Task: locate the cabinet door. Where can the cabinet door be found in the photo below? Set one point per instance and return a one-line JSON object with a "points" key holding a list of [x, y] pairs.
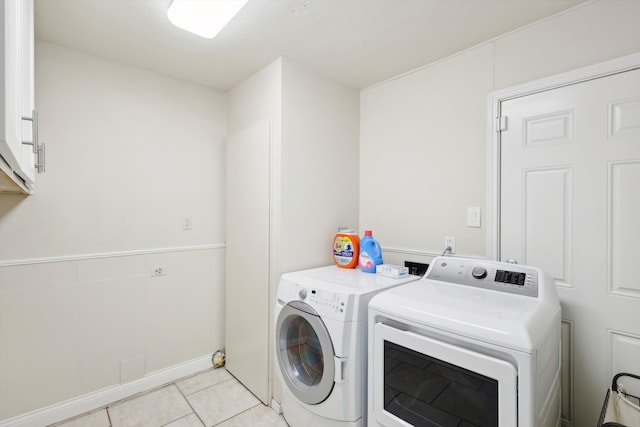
{"points": [[27, 88], [11, 147], [18, 88]]}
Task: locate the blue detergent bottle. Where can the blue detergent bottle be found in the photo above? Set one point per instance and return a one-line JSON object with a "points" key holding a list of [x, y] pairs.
{"points": [[370, 253]]}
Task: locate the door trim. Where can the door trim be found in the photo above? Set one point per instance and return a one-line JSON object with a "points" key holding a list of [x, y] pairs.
{"points": [[495, 99]]}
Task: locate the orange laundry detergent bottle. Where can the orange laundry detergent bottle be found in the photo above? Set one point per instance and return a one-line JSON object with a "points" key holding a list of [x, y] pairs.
{"points": [[346, 248]]}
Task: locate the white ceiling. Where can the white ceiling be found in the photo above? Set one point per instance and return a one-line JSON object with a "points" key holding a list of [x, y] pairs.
{"points": [[356, 42]]}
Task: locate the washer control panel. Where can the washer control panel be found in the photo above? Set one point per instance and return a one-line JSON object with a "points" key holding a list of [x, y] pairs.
{"points": [[497, 276], [323, 301]]}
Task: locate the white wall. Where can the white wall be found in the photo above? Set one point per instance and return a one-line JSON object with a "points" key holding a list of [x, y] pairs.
{"points": [[423, 146], [320, 135], [129, 154], [422, 155], [596, 32], [257, 99]]}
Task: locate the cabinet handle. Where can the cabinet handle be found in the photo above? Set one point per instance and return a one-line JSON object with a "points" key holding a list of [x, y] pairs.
{"points": [[40, 159], [38, 149]]}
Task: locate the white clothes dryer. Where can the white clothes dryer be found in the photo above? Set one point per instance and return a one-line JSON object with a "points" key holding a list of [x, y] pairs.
{"points": [[321, 341], [473, 343]]}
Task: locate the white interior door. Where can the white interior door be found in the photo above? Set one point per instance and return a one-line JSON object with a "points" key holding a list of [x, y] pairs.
{"points": [[570, 204], [247, 304]]}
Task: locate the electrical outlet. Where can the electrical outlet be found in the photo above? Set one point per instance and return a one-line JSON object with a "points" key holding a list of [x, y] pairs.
{"points": [[450, 242], [159, 271]]}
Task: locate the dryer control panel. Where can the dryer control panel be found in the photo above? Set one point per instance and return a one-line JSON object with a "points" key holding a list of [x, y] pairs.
{"points": [[497, 276]]}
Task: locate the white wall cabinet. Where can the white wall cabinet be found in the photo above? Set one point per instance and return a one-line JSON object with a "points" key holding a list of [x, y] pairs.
{"points": [[21, 154]]}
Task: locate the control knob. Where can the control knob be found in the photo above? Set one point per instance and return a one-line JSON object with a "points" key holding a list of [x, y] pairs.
{"points": [[302, 293], [479, 272]]}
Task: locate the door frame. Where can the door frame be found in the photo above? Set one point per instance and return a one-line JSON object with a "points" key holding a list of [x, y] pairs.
{"points": [[495, 99]]}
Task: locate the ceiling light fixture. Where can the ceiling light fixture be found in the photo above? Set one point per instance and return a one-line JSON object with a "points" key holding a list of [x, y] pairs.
{"points": [[203, 17]]}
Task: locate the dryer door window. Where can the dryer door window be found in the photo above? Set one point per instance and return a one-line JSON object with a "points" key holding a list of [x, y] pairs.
{"points": [[305, 353]]}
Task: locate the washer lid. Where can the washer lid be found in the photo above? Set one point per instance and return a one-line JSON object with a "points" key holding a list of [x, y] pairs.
{"points": [[503, 319]]}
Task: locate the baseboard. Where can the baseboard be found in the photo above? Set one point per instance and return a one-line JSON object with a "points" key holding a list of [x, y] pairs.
{"points": [[101, 398]]}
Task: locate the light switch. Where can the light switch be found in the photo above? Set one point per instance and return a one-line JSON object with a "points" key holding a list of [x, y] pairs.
{"points": [[473, 217], [187, 223]]}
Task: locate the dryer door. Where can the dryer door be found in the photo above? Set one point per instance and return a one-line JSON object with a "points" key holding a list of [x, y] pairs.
{"points": [[305, 353]]}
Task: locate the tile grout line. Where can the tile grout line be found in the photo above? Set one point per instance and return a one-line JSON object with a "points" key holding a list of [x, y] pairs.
{"points": [[214, 385], [175, 384], [239, 413], [181, 418], [84, 414], [202, 389], [189, 403]]}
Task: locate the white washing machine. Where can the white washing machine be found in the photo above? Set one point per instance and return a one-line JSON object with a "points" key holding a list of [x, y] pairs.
{"points": [[321, 341], [473, 343]]}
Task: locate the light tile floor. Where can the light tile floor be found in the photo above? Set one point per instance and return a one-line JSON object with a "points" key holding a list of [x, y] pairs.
{"points": [[210, 398]]}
